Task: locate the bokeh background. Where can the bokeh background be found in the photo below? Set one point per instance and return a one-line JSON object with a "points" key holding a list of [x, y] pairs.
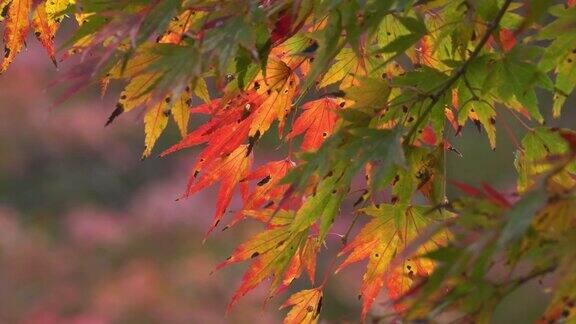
{"points": [[89, 233]]}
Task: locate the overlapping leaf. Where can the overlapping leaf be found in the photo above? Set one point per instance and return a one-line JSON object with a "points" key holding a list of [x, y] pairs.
{"points": [[229, 170], [272, 251], [306, 306], [387, 234]]}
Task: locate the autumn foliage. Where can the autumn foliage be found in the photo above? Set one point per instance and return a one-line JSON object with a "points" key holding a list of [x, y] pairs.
{"points": [[359, 94]]}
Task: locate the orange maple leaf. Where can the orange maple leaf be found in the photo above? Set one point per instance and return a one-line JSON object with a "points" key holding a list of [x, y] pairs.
{"points": [[317, 122], [267, 189], [272, 251], [387, 234], [277, 88], [15, 31], [306, 307], [228, 170]]}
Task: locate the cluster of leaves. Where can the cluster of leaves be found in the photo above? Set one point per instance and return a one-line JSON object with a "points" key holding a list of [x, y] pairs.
{"points": [[374, 88]]}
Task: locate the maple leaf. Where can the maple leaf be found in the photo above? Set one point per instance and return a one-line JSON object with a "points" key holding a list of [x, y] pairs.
{"points": [[278, 87], [272, 251], [306, 307], [181, 112], [390, 230], [155, 121], [45, 22], [267, 189], [270, 216], [304, 259], [229, 170], [424, 55], [292, 52], [225, 132], [317, 121], [345, 70], [15, 31], [482, 113], [179, 25], [134, 95]]}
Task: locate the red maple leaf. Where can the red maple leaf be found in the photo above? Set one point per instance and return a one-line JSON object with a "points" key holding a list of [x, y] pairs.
{"points": [[316, 122]]}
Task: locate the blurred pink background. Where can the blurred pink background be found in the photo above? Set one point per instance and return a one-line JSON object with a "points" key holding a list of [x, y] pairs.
{"points": [[91, 234]]}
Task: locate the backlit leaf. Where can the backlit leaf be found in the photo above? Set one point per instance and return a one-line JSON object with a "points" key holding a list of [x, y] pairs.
{"points": [[15, 31], [316, 122], [306, 305], [389, 232]]}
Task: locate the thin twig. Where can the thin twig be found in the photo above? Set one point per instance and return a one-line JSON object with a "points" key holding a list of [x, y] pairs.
{"points": [[462, 70]]}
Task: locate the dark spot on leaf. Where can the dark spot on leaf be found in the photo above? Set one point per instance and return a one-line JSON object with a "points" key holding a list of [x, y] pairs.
{"points": [[269, 204], [196, 172], [4, 11], [264, 181], [312, 48], [478, 126], [255, 254]]}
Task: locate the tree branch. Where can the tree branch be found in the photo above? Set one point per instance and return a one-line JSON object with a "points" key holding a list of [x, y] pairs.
{"points": [[462, 70]]}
